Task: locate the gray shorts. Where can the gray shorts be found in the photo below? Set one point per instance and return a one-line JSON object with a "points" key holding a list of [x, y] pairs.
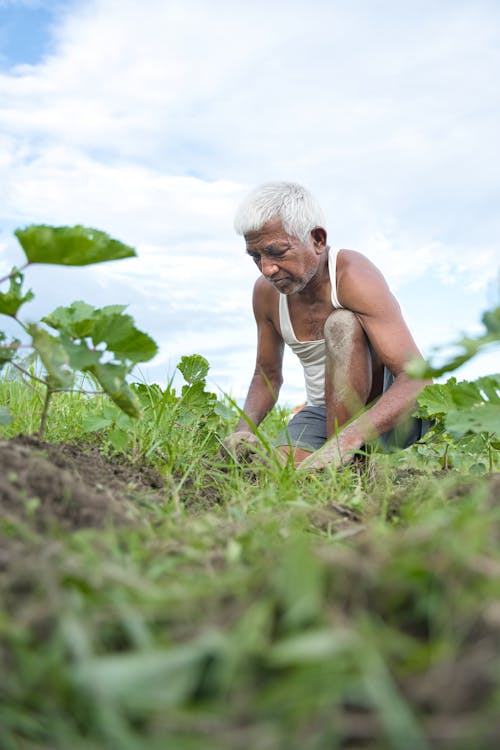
{"points": [[307, 429]]}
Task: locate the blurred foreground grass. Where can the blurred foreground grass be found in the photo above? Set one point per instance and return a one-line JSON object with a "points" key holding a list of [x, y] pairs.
{"points": [[249, 608]]}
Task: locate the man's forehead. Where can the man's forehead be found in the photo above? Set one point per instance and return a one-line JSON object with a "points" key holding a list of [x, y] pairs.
{"points": [[271, 231]]}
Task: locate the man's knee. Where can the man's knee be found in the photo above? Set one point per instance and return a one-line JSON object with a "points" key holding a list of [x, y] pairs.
{"points": [[342, 327]]}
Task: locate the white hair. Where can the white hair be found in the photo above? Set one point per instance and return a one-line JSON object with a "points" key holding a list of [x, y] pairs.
{"points": [[295, 206]]}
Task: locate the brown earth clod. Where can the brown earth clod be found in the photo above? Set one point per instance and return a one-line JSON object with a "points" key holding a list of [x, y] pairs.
{"points": [[70, 484]]}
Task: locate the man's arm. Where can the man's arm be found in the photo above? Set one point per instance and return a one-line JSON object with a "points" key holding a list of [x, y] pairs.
{"points": [[362, 289], [267, 378]]}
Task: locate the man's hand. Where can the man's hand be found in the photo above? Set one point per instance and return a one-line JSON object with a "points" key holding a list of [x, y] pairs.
{"points": [[329, 454], [242, 445]]}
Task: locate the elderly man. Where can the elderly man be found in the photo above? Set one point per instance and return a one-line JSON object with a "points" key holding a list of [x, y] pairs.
{"points": [[335, 310]]}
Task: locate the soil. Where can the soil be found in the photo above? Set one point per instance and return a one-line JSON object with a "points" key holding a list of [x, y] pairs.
{"points": [[76, 487], [72, 485]]}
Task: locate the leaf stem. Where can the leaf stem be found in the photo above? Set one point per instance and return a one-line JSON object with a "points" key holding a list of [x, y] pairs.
{"points": [[28, 374], [20, 322], [445, 458], [43, 420], [13, 272]]}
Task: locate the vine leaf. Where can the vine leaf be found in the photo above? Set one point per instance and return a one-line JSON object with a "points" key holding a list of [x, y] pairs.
{"points": [[76, 320], [194, 368], [466, 348], [83, 330], [107, 325], [81, 356], [121, 337], [477, 419], [54, 356], [7, 351], [102, 342], [491, 321], [112, 380], [13, 299], [463, 407], [70, 246]]}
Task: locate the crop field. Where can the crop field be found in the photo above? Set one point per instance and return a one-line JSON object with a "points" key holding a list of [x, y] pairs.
{"points": [[156, 594]]}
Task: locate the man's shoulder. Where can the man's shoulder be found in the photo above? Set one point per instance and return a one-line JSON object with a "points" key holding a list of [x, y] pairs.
{"points": [[351, 259], [353, 265], [357, 275], [265, 298], [264, 291]]}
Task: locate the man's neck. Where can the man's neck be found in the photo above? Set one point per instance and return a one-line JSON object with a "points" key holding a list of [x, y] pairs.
{"points": [[313, 291]]}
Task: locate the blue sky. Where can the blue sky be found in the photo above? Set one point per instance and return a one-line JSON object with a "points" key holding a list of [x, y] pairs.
{"points": [[150, 119], [24, 32]]}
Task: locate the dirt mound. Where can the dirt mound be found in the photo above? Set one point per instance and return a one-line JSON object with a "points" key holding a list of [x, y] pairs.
{"points": [[70, 484]]}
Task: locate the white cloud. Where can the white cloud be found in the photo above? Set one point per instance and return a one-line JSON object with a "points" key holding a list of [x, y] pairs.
{"points": [[402, 261]]}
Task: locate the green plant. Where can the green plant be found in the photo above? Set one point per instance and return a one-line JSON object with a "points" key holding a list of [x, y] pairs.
{"points": [[173, 422], [245, 606], [465, 415], [101, 342], [465, 349], [466, 419]]}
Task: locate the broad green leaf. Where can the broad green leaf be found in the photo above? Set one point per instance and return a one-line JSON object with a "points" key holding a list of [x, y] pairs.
{"points": [[152, 396], [81, 356], [465, 394], [123, 421], [491, 320], [54, 357], [467, 348], [483, 417], [435, 399], [118, 438], [5, 415], [438, 399], [194, 368], [111, 309], [224, 411], [77, 320], [422, 370], [490, 386], [96, 422], [112, 379], [196, 397], [7, 350], [6, 356], [11, 301], [122, 338], [107, 325], [70, 246]]}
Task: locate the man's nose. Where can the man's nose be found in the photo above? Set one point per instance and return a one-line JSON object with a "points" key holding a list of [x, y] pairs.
{"points": [[269, 267]]}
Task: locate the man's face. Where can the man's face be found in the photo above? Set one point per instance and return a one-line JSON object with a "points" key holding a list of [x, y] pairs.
{"points": [[287, 262]]}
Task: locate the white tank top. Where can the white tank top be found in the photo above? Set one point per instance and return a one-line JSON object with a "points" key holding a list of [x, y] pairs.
{"points": [[311, 353]]}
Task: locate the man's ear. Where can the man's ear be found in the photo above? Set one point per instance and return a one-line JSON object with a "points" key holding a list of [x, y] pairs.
{"points": [[318, 235]]}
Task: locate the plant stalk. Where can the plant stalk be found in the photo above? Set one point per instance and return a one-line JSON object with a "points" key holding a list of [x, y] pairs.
{"points": [[43, 420], [13, 272]]}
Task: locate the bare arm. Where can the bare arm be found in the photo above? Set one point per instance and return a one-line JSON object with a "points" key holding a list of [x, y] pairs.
{"points": [[362, 289], [267, 378]]}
